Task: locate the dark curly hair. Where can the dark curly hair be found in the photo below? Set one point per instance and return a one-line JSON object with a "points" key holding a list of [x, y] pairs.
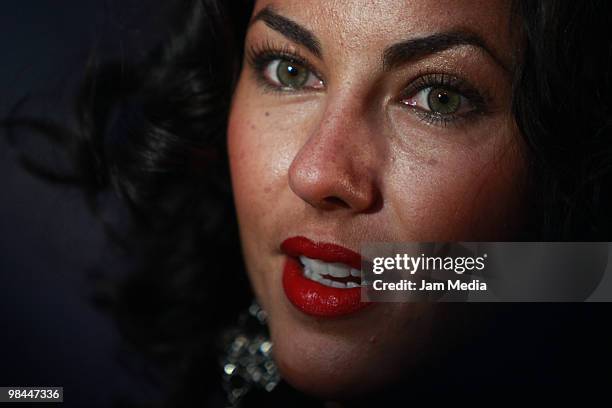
{"points": [[154, 132]]}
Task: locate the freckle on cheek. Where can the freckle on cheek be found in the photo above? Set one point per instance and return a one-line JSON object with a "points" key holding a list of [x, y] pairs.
{"points": [[432, 162], [267, 113]]}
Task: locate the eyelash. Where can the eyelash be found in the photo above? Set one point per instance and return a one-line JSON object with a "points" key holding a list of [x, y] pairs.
{"points": [[260, 57], [475, 99]]}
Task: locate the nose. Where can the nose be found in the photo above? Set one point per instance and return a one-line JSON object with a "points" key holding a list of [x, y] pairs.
{"points": [[335, 169]]}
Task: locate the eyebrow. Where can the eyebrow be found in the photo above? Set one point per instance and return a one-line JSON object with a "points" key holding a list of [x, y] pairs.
{"points": [[395, 55], [414, 49], [289, 29]]}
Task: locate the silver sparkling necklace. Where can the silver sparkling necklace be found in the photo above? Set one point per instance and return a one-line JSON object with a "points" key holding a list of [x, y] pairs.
{"points": [[247, 361]]}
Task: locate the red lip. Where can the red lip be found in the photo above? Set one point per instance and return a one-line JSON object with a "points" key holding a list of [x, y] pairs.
{"points": [[312, 297]]}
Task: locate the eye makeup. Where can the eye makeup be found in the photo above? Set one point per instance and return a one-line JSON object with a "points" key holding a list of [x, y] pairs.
{"points": [[451, 90], [472, 103], [260, 57]]}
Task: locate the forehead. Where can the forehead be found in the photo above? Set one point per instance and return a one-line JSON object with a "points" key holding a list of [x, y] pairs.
{"points": [[369, 25]]}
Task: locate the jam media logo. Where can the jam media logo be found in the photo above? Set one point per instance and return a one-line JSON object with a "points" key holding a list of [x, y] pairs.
{"points": [[422, 271], [486, 271], [427, 268]]}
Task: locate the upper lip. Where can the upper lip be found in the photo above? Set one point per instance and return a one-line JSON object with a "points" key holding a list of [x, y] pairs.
{"points": [[324, 251]]}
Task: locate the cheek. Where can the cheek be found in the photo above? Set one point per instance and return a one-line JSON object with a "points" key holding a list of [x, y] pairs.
{"points": [[262, 143], [459, 194], [248, 156], [249, 186]]}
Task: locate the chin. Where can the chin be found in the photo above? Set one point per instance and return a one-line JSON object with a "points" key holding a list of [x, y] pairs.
{"points": [[344, 359], [326, 367]]}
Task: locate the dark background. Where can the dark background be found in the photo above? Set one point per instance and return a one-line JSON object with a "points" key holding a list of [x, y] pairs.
{"points": [[50, 245]]}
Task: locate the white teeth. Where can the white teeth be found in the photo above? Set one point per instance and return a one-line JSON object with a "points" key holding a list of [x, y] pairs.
{"points": [[317, 266], [314, 269], [338, 270], [305, 261]]}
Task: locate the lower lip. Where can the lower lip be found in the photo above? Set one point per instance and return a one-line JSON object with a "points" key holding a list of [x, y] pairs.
{"points": [[316, 299]]}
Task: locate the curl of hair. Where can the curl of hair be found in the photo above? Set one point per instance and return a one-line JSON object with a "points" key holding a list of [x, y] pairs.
{"points": [[563, 110]]}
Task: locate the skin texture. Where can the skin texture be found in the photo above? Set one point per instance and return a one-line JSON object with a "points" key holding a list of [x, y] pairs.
{"points": [[347, 162]]}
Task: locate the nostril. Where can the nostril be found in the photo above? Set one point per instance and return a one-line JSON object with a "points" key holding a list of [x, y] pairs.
{"points": [[337, 202]]}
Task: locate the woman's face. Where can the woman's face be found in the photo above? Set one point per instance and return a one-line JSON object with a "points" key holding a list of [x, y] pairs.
{"points": [[367, 120]]}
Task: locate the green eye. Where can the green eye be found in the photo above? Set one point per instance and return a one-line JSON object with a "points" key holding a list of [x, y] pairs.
{"points": [[288, 75], [439, 100], [291, 74], [443, 101]]}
